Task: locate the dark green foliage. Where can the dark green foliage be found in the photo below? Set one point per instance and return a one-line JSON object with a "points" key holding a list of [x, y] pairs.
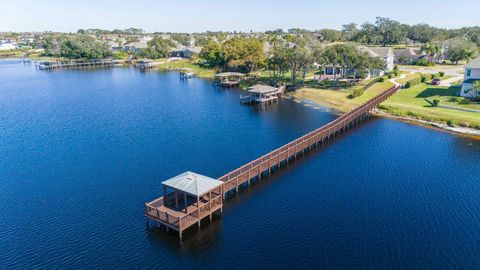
{"points": [[423, 62], [436, 102], [441, 73], [423, 78], [183, 39], [244, 54], [76, 47], [157, 48]]}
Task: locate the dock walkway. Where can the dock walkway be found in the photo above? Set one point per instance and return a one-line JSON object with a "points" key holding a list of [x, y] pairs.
{"points": [[173, 217]]}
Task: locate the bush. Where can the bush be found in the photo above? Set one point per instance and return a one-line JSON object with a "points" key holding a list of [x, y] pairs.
{"points": [[432, 76], [441, 73], [423, 62], [395, 67], [450, 123], [413, 82], [390, 75], [381, 79], [423, 79], [357, 92], [436, 102]]}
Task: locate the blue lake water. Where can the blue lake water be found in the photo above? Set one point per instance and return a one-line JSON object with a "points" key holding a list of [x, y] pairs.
{"points": [[82, 151]]}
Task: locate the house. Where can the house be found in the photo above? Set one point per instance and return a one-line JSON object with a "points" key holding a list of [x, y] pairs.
{"points": [[6, 45], [135, 46], [472, 75], [385, 53], [184, 52], [407, 55]]}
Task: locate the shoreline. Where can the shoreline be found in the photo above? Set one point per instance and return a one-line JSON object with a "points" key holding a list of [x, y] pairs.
{"points": [[475, 133]]}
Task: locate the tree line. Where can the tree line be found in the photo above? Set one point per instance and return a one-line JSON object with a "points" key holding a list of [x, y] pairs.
{"points": [[292, 55]]}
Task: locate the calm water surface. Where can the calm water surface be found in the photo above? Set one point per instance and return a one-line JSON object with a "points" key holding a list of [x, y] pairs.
{"points": [[82, 151]]}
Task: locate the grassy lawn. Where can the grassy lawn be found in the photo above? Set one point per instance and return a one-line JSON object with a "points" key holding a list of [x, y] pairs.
{"points": [[340, 100], [199, 71], [411, 102]]}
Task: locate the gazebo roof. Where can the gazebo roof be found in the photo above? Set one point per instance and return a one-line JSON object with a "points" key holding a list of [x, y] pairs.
{"points": [[192, 183], [258, 88], [229, 74]]}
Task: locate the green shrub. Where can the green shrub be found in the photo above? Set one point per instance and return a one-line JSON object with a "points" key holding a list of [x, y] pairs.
{"points": [[423, 62], [381, 79], [423, 78], [413, 82], [441, 73], [436, 102], [450, 123], [432, 76], [357, 92], [395, 67], [390, 75]]}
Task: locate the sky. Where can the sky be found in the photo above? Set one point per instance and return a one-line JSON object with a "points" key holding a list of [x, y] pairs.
{"points": [[227, 15]]}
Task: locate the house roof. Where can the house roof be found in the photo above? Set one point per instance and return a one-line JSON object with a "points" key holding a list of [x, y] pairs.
{"points": [[376, 51], [192, 183], [409, 53], [258, 88], [475, 63]]}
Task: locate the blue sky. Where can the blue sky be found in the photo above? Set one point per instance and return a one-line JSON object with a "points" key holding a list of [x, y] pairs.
{"points": [[246, 15]]}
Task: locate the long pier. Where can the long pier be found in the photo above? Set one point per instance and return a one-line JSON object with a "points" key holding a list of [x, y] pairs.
{"points": [[53, 65], [183, 208]]}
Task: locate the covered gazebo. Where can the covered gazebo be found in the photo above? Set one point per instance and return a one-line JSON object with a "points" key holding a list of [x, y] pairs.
{"points": [[187, 199]]}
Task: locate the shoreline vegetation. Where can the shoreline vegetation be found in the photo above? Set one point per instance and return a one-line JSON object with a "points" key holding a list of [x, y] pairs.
{"points": [[335, 69], [409, 105]]}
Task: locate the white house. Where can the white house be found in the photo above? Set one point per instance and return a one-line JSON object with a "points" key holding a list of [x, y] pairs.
{"points": [[385, 53], [472, 75], [6, 44]]}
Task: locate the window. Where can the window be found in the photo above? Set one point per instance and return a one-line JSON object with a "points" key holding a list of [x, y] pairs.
{"points": [[469, 72]]}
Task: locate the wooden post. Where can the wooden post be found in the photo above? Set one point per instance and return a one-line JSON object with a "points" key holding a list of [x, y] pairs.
{"points": [[176, 199], [185, 202], [164, 195], [210, 204]]}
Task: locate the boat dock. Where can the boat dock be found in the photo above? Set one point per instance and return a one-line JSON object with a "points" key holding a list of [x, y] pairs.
{"points": [[189, 197], [52, 65], [187, 73], [261, 94], [144, 65], [229, 79]]}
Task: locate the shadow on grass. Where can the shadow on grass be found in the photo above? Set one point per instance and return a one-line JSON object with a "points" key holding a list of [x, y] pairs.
{"points": [[434, 91]]}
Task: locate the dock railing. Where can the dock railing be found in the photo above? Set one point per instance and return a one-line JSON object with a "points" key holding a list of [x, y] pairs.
{"points": [[254, 168]]}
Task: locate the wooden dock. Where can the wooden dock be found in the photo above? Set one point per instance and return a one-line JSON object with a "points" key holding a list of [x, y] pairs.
{"points": [[54, 65], [231, 182]]}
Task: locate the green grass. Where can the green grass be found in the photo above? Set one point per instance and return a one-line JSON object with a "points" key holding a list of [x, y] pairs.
{"points": [[199, 71], [411, 102], [340, 100]]}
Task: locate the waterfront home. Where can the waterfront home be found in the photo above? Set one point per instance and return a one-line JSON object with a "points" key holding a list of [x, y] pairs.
{"points": [[6, 45], [185, 52], [261, 94], [135, 46], [471, 76]]}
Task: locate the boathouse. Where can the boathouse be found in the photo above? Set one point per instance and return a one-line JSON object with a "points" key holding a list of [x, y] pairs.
{"points": [[229, 79], [187, 199], [262, 94]]}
